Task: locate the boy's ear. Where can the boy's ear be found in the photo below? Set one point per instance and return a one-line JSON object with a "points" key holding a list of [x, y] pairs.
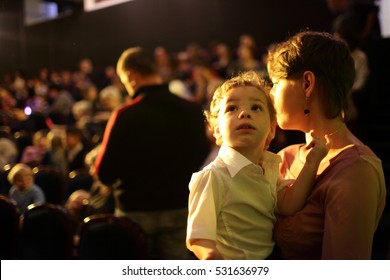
{"points": [[217, 133], [271, 135]]}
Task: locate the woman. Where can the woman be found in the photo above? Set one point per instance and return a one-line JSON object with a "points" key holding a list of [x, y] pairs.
{"points": [[312, 74]]}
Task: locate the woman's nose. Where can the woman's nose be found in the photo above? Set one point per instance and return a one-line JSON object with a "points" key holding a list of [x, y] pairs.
{"points": [[244, 114]]}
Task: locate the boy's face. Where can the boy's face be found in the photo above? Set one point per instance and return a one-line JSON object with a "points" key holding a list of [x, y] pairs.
{"points": [[23, 180], [244, 119]]}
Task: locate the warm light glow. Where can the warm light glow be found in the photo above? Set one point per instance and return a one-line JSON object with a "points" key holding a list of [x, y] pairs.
{"points": [[27, 110], [90, 5], [384, 17]]}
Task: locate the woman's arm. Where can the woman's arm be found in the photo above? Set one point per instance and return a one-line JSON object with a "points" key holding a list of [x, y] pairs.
{"points": [[352, 209]]}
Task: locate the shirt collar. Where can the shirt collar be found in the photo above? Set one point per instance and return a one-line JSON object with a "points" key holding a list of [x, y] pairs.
{"points": [[233, 159]]}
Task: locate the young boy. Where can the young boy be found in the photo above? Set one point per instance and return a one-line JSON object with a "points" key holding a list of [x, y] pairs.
{"points": [[233, 199], [24, 191]]}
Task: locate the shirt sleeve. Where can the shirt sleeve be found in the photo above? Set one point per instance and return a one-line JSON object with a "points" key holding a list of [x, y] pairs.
{"points": [[204, 205]]}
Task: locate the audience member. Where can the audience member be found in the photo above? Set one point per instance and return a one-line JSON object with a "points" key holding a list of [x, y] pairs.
{"points": [[344, 28], [56, 151], [181, 89], [76, 150], [312, 73], [150, 148], [98, 200], [248, 41], [10, 115], [110, 99], [8, 151], [82, 113], [36, 154], [76, 205], [363, 14], [69, 84], [91, 94], [206, 82], [24, 190], [232, 200], [88, 74], [222, 59], [164, 64], [60, 105], [245, 61]]}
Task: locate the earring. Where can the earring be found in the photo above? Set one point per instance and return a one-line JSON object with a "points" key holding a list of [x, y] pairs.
{"points": [[307, 110]]}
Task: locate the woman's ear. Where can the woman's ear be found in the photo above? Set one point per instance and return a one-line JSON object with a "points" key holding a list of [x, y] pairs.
{"points": [[308, 80]]}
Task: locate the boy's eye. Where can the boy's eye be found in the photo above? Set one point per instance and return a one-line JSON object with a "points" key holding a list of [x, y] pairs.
{"points": [[231, 108], [257, 108]]}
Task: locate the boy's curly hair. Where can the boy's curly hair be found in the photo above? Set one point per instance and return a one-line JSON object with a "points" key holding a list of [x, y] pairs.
{"points": [[248, 78]]}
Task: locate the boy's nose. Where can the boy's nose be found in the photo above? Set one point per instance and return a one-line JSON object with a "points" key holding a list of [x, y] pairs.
{"points": [[244, 115]]}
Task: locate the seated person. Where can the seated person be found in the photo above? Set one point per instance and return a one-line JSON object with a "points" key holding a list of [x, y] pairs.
{"points": [[35, 154], [24, 190], [98, 200]]}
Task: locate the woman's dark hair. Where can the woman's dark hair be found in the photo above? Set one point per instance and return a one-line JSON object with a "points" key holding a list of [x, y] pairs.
{"points": [[327, 57]]}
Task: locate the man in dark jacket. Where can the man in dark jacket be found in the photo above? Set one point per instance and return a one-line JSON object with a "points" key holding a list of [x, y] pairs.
{"points": [[150, 149]]}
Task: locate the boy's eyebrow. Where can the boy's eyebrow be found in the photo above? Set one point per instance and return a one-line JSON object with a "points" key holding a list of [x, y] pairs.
{"points": [[252, 99], [230, 100]]}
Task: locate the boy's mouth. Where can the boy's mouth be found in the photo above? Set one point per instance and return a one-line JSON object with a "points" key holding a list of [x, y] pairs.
{"points": [[245, 126]]}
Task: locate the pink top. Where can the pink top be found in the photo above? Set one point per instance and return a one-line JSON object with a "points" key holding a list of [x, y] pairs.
{"points": [[342, 212]]}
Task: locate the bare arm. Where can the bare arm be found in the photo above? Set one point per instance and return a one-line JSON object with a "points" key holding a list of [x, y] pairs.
{"points": [[205, 249], [292, 198]]}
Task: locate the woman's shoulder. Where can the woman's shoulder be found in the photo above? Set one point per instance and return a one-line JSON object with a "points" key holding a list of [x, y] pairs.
{"points": [[360, 157], [357, 162], [357, 152], [291, 150]]}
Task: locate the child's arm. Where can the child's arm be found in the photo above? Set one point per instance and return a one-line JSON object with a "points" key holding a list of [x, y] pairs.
{"points": [[205, 249], [292, 198], [203, 207]]}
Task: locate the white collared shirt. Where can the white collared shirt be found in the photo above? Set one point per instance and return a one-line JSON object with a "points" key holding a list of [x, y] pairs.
{"points": [[232, 202]]}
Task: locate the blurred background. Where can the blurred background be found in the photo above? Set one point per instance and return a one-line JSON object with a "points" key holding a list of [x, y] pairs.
{"points": [[44, 43], [58, 34]]}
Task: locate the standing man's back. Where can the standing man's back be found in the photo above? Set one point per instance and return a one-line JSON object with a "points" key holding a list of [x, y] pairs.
{"points": [[150, 149]]}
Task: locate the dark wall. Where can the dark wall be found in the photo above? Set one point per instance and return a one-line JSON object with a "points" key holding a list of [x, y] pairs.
{"points": [[11, 35], [103, 34]]}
